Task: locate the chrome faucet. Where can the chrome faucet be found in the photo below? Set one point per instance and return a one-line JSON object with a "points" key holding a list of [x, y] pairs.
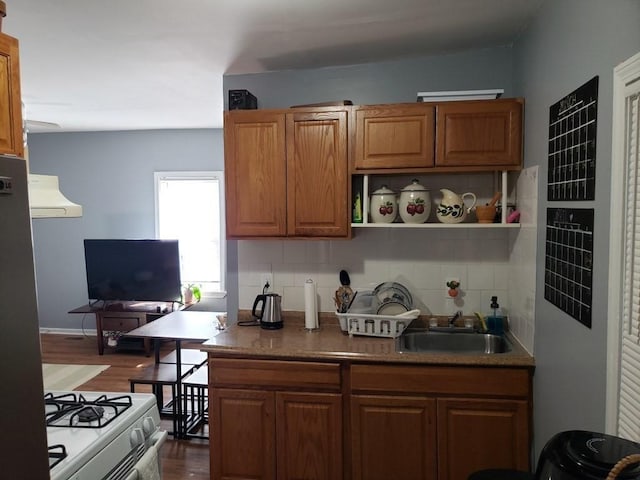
{"points": [[456, 316]]}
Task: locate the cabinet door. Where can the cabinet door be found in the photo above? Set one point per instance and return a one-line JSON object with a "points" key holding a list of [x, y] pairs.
{"points": [[317, 174], [480, 434], [309, 436], [255, 174], [393, 137], [393, 437], [480, 133], [11, 138], [242, 426]]}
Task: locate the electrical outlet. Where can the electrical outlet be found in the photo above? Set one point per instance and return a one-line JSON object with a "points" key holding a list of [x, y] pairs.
{"points": [[447, 280], [265, 278]]}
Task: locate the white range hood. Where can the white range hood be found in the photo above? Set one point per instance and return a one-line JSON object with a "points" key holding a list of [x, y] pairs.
{"points": [[46, 200]]}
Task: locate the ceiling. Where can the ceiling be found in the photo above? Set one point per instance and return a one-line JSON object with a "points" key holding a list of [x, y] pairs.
{"points": [[91, 65]]}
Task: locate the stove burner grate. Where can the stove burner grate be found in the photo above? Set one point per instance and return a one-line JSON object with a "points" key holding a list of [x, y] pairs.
{"points": [[74, 410], [90, 413], [57, 453]]}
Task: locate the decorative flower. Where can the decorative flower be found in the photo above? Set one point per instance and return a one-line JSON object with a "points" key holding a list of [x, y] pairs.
{"points": [[453, 288]]}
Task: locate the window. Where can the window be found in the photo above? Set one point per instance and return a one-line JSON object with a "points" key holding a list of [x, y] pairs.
{"points": [[623, 368], [189, 207]]}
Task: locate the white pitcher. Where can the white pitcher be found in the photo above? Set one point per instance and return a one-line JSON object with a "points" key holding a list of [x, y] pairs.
{"points": [[452, 208]]}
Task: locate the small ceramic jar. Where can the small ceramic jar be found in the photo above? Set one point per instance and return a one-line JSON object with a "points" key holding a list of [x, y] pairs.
{"points": [[415, 203], [383, 205]]}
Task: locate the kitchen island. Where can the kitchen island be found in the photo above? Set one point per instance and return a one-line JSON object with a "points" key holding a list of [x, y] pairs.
{"points": [[291, 403]]}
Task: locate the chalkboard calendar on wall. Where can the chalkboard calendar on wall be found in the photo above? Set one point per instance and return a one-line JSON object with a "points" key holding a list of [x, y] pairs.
{"points": [[572, 145], [568, 277]]}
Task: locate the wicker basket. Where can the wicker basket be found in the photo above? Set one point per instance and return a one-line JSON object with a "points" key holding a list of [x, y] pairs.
{"points": [[622, 464]]}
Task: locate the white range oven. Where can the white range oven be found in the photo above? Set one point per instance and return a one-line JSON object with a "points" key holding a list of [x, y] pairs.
{"points": [[103, 436]]}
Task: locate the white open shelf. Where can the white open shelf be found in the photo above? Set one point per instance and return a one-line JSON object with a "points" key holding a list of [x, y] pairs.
{"points": [[367, 224]]}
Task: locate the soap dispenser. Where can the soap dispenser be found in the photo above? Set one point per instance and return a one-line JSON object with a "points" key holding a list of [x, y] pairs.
{"points": [[495, 320]]}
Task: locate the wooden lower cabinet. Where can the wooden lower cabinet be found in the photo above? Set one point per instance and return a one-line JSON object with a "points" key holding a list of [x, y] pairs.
{"points": [[268, 435], [393, 437], [308, 436], [242, 434], [283, 419], [477, 434], [273, 419], [462, 419]]}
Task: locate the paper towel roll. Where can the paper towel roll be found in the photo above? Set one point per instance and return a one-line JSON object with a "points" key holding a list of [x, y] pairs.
{"points": [[310, 305]]}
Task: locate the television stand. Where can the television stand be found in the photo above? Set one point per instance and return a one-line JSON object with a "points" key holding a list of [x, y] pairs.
{"points": [[122, 317]]}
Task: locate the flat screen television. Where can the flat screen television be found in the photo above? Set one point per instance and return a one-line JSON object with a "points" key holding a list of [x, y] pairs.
{"points": [[133, 270]]}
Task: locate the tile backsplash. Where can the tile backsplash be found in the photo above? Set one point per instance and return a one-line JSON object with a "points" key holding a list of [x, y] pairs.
{"points": [[486, 261]]}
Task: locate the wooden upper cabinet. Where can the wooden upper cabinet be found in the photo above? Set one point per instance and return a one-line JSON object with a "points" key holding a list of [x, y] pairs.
{"points": [[479, 134], [255, 174], [394, 137], [11, 135], [287, 173], [317, 174]]}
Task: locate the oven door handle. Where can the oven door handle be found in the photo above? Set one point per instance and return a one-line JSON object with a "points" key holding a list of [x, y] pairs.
{"points": [[132, 476], [158, 439]]}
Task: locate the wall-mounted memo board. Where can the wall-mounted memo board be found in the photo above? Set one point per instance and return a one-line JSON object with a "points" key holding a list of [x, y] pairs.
{"points": [[568, 276], [572, 145]]}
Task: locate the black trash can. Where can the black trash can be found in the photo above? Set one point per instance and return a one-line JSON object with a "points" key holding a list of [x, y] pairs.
{"points": [[583, 455], [574, 455]]}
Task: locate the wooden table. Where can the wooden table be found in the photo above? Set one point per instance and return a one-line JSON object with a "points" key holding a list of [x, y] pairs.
{"points": [[123, 317], [178, 326]]}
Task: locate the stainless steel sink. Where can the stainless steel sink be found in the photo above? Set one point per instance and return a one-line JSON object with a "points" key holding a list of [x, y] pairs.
{"points": [[459, 343]]}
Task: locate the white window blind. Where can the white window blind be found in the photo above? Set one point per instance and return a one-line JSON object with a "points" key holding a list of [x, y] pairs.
{"points": [[629, 396]]}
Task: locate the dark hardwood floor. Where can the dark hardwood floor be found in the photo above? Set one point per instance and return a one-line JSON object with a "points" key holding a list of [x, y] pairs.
{"points": [[181, 459]]}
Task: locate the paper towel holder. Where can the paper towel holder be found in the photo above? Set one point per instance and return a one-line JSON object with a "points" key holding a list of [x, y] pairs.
{"points": [[310, 306]]}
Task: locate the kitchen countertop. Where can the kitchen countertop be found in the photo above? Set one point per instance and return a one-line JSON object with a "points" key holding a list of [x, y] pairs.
{"points": [[329, 342]]}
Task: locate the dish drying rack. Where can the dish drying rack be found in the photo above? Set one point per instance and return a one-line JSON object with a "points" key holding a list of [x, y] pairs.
{"points": [[390, 326]]}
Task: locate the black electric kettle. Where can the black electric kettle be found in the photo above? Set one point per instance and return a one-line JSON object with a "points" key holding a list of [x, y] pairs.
{"points": [[270, 314]]}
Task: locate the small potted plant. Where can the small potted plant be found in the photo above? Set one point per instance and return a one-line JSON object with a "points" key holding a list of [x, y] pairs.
{"points": [[192, 293], [453, 288]]}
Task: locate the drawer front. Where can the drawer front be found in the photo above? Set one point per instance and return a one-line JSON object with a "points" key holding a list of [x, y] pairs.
{"points": [[273, 373], [504, 382], [123, 324]]}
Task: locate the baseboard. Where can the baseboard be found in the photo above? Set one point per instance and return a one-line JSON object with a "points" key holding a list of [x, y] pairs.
{"points": [[69, 331]]}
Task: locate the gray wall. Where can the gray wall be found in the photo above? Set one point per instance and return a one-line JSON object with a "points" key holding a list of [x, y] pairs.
{"points": [[111, 175], [384, 82], [569, 43]]}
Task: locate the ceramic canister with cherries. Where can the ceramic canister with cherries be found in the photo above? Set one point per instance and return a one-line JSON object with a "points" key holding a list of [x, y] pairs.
{"points": [[414, 205]]}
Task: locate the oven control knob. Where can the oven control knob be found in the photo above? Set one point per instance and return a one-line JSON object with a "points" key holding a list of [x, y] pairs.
{"points": [[136, 437], [148, 426]]}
